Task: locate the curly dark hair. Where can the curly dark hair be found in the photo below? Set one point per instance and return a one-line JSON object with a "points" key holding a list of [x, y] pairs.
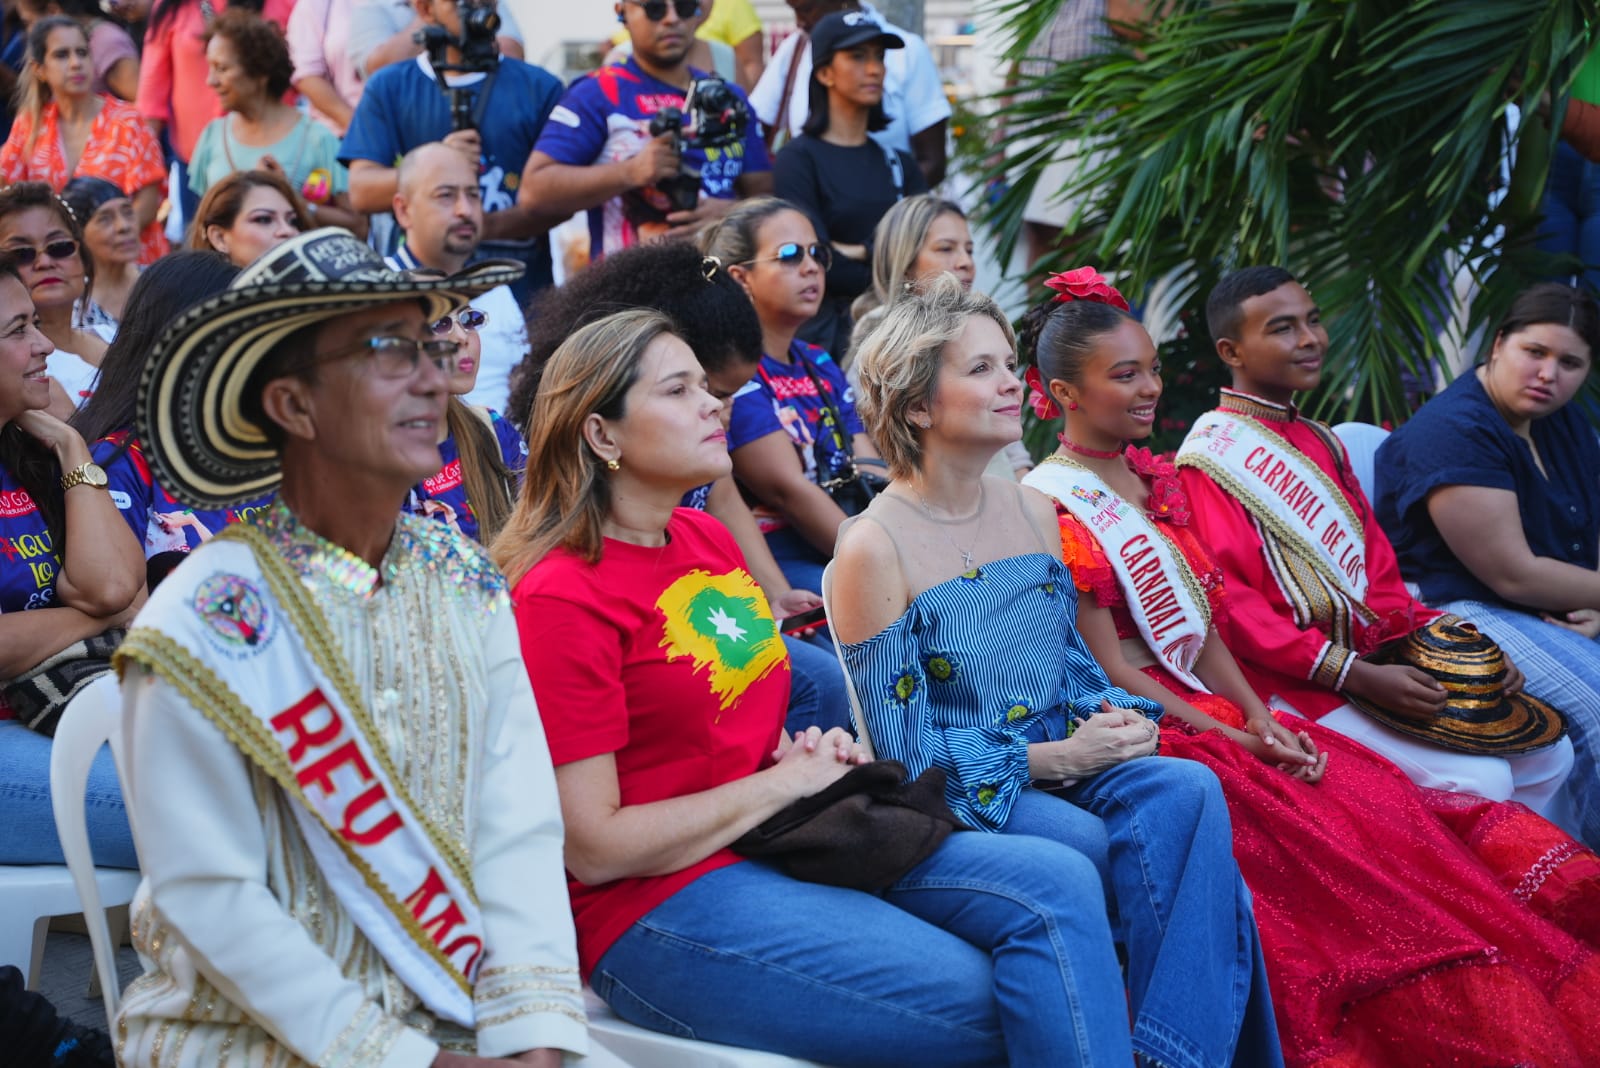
{"points": [[712, 314], [259, 46]]}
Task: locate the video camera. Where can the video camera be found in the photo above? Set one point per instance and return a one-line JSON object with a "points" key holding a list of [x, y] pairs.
{"points": [[716, 116], [480, 54]]}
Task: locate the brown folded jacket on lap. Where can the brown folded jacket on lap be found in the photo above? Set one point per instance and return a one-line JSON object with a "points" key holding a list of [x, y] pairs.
{"points": [[863, 832]]}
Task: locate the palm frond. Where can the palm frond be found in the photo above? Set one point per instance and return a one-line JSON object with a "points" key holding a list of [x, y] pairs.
{"points": [[1361, 143]]}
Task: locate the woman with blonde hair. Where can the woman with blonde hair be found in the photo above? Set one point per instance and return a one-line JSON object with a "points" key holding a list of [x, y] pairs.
{"points": [[661, 682], [482, 451], [960, 631], [919, 239]]}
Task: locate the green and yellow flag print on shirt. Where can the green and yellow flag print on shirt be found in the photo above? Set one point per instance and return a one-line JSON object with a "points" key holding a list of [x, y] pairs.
{"points": [[722, 623]]}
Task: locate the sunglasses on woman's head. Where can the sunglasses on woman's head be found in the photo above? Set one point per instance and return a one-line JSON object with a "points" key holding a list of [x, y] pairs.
{"points": [[469, 319], [793, 254], [656, 10], [23, 255]]}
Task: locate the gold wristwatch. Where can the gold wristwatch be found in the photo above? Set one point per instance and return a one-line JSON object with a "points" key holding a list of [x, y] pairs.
{"points": [[90, 473]]}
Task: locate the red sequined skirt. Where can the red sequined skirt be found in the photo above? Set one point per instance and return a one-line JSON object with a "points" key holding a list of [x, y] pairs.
{"points": [[1404, 926]]}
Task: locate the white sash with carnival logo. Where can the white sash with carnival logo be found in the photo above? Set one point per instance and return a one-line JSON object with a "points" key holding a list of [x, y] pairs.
{"points": [[1164, 597], [1290, 496], [237, 620]]}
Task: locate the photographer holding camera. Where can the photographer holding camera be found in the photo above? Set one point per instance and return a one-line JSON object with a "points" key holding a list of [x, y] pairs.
{"points": [[489, 107], [651, 147]]}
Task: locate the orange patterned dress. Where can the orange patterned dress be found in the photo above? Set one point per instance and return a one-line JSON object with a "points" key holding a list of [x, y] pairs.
{"points": [[1401, 926], [120, 149]]}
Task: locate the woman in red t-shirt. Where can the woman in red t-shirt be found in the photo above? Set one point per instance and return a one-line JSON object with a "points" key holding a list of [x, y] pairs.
{"points": [[662, 682]]}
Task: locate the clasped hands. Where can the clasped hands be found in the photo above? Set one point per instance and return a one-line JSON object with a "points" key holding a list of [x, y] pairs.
{"points": [[814, 760], [1108, 738]]}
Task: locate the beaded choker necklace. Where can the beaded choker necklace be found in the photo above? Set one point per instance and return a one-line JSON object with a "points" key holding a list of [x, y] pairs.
{"points": [[1084, 450]]}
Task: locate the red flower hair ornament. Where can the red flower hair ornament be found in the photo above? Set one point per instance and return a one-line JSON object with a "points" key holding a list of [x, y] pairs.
{"points": [[1044, 405], [1082, 283], [1085, 283]]}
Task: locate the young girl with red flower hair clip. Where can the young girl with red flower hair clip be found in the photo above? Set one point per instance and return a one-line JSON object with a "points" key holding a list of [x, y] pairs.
{"points": [[1394, 919]]}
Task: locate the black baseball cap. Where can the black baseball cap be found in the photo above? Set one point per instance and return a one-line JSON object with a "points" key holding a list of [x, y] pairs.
{"points": [[846, 29]]}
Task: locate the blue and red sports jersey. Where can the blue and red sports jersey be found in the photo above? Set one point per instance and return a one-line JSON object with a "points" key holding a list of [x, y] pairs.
{"points": [[444, 496], [605, 118], [160, 521]]}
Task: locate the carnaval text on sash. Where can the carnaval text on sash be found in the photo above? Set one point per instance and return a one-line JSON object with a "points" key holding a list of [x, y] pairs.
{"points": [[1164, 597], [1292, 497]]}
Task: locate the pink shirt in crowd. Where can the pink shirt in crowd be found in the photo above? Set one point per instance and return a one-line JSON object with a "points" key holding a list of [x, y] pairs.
{"points": [[319, 31]]}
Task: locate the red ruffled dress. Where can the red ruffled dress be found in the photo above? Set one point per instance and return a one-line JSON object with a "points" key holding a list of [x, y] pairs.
{"points": [[1401, 926]]}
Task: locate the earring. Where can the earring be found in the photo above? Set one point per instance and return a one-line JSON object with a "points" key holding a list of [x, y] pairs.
{"points": [[1072, 406], [613, 464]]}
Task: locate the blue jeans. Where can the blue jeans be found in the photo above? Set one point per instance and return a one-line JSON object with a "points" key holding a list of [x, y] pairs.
{"points": [[1196, 978], [995, 950], [1562, 669], [1571, 209], [27, 823], [800, 563], [817, 695]]}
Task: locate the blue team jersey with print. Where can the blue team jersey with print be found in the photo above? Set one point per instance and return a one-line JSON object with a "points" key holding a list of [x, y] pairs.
{"points": [[444, 496], [161, 522], [605, 118], [783, 396], [29, 558]]}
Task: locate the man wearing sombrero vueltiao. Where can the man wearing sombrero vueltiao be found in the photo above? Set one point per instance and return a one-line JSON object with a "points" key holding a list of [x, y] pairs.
{"points": [[346, 815], [1316, 607]]}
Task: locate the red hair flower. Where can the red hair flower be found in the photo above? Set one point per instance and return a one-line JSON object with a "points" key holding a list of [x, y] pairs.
{"points": [[1085, 283], [1044, 405]]}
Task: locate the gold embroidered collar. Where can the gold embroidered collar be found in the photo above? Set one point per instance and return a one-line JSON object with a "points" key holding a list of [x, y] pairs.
{"points": [[1257, 407]]}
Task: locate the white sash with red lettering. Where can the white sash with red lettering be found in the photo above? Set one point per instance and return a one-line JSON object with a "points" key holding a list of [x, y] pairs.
{"points": [[1289, 495], [254, 627], [1164, 596]]}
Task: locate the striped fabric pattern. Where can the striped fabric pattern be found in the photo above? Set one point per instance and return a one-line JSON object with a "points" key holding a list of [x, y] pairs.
{"points": [[957, 680]]}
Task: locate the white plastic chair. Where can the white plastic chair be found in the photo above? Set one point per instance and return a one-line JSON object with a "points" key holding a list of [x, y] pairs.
{"points": [[649, 1049], [1361, 441], [856, 715], [90, 720]]}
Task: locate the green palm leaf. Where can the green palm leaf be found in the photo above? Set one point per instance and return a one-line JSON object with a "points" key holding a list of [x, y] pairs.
{"points": [[1360, 143]]}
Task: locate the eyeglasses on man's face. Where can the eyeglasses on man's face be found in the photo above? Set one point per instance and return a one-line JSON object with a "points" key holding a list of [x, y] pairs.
{"points": [[397, 357]]}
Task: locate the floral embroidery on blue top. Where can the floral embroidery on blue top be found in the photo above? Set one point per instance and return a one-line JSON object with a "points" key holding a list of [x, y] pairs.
{"points": [[1047, 588], [984, 794], [975, 575], [974, 722], [904, 687], [1019, 708], [942, 666]]}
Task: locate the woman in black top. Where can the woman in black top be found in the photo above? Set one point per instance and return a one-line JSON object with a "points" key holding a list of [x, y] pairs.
{"points": [[835, 172]]}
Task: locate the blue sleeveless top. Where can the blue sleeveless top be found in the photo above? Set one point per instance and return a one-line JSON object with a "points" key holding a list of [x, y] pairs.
{"points": [[957, 680]]}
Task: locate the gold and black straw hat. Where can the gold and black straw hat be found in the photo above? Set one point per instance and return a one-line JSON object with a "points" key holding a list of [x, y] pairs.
{"points": [[190, 419], [1480, 717]]}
